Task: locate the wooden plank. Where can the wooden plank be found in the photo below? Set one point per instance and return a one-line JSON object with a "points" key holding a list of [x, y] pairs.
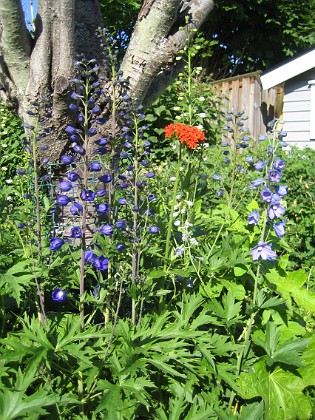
{"points": [[255, 110], [278, 102]]}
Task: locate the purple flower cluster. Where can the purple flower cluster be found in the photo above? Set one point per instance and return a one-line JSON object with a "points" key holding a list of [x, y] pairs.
{"points": [[88, 178], [271, 194]]}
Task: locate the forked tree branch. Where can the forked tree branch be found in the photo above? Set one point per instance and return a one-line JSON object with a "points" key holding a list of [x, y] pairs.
{"points": [[149, 63]]}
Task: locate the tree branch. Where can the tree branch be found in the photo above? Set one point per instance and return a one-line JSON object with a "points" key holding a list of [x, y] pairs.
{"points": [[148, 63]]}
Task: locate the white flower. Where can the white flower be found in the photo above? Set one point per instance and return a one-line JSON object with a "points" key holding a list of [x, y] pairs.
{"points": [[184, 237], [4, 168], [179, 251], [183, 211], [178, 197], [202, 115], [194, 241], [9, 181], [189, 203], [173, 178], [201, 98], [175, 214], [9, 198], [187, 224], [177, 223], [176, 108], [4, 145]]}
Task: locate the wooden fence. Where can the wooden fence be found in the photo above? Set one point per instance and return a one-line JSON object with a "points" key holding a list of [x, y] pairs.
{"points": [[245, 93]]}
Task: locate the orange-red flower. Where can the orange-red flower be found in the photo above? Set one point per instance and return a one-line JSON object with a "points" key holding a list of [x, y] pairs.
{"points": [[187, 134]]}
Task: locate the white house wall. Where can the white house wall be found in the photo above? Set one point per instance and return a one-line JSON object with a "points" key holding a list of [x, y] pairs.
{"points": [[297, 110]]}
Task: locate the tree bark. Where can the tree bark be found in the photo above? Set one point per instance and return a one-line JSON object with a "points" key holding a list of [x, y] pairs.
{"points": [[160, 33], [43, 66]]}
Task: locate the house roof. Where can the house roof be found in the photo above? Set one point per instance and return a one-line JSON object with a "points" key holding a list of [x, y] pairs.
{"points": [[288, 69]]}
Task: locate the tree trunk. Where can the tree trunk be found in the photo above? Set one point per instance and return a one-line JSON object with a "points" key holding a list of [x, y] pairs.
{"points": [[42, 67]]}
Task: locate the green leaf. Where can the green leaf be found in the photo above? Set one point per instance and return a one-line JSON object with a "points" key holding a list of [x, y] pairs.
{"points": [[292, 285], [281, 390], [240, 270]]}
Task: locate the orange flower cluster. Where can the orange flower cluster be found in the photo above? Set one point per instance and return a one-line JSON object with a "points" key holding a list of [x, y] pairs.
{"points": [[187, 134]]}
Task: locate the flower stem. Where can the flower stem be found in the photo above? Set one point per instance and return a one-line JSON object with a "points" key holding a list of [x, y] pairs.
{"points": [[170, 223], [39, 285]]}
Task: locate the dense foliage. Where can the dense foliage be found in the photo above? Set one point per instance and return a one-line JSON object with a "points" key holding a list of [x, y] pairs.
{"points": [[138, 283], [241, 36]]}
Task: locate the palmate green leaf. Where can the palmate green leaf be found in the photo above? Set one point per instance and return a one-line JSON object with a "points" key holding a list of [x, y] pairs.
{"points": [[176, 407], [308, 358], [136, 387], [198, 412], [160, 363], [189, 306], [15, 404], [281, 390], [10, 286], [288, 352], [292, 285], [253, 411], [33, 332], [114, 404]]}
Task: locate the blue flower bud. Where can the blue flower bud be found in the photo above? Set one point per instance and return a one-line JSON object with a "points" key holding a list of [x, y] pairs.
{"points": [[66, 159], [154, 229], [62, 200], [55, 244], [73, 107], [105, 178], [102, 141], [102, 208], [74, 137], [106, 230], [150, 174], [95, 166], [76, 209], [65, 186], [121, 224], [101, 193], [92, 131], [70, 130], [79, 149], [72, 176]]}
